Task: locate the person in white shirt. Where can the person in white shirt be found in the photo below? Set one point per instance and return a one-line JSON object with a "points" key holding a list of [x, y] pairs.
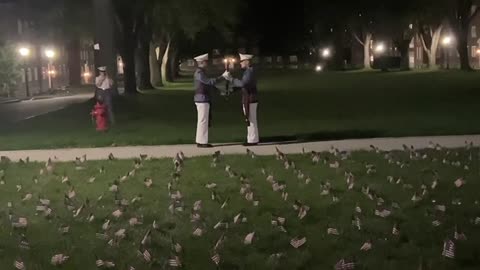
{"points": [[104, 91]]}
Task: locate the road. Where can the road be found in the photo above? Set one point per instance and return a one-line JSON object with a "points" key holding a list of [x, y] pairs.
{"points": [[15, 112]]}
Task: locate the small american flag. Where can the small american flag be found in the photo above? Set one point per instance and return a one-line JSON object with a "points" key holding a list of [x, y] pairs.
{"points": [[198, 232], [395, 230], [366, 246], [24, 243], [436, 223], [177, 247], [216, 259], [448, 249], [343, 265], [296, 242], [477, 221], [332, 231], [175, 262], [147, 256], [356, 222], [19, 265]]}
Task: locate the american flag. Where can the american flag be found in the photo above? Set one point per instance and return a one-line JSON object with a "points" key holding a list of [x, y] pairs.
{"points": [[366, 246], [395, 230], [175, 262], [24, 243], [343, 265], [436, 223], [332, 231], [448, 249], [477, 221], [356, 222], [216, 259], [296, 242], [19, 265], [198, 232], [177, 247], [146, 255]]}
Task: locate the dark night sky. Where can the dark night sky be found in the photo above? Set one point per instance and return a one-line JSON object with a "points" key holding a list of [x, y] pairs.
{"points": [[277, 27]]}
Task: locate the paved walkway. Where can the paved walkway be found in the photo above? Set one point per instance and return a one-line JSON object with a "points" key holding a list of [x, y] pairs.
{"points": [[191, 150]]}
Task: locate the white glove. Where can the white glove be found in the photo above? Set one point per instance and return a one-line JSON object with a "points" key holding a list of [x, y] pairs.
{"points": [[227, 76]]}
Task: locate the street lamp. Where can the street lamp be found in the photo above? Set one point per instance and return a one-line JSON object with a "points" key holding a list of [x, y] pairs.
{"points": [[446, 41], [326, 53], [49, 53], [380, 48], [318, 68], [24, 53]]}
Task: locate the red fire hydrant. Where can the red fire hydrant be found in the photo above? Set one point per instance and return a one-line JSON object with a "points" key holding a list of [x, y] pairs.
{"points": [[99, 112]]}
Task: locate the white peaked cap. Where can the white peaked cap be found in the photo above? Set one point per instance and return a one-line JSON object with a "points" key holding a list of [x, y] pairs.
{"points": [[245, 56], [203, 57], [102, 68]]}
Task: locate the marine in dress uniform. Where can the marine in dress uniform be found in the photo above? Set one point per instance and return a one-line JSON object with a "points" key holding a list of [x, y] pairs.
{"points": [[203, 89], [248, 85]]}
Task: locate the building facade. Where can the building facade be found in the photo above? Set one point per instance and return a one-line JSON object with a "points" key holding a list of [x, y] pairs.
{"points": [[19, 28]]}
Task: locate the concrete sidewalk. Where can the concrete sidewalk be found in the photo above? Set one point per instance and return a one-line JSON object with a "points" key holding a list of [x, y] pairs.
{"points": [[191, 150]]}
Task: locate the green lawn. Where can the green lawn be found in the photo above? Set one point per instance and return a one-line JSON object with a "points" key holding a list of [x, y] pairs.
{"points": [[419, 242], [295, 105]]}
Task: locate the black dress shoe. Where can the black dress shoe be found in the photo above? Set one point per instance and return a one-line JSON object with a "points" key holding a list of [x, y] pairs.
{"points": [[249, 144], [204, 145]]}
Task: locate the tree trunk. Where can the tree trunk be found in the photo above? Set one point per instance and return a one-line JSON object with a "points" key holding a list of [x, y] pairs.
{"points": [[366, 51], [105, 37], [404, 54], [161, 53], [173, 64], [434, 47], [164, 64], [462, 47], [143, 55], [432, 51], [74, 62], [128, 58], [143, 73], [155, 77], [339, 58]]}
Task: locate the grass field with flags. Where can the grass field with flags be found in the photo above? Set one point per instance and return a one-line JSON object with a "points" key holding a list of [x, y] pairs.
{"points": [[411, 209]]}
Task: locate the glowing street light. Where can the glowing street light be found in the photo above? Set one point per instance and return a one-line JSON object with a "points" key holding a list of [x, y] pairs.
{"points": [[24, 53], [446, 41], [380, 48], [318, 68], [49, 53], [326, 53]]}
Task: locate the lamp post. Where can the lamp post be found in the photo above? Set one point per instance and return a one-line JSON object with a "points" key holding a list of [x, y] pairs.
{"points": [[49, 53], [24, 53], [446, 41]]}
